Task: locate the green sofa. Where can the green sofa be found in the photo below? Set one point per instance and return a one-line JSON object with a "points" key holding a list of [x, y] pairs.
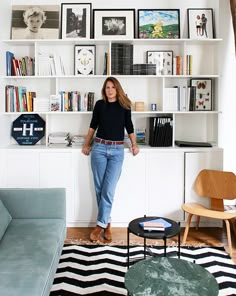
{"points": [[32, 233]]}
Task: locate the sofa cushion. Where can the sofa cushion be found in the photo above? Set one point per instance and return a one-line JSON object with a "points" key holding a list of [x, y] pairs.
{"points": [[29, 255], [5, 219]]}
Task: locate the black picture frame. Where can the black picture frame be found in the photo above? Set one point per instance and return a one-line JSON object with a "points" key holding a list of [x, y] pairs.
{"points": [[163, 59], [76, 20], [159, 23], [84, 60], [200, 23], [114, 23], [203, 93]]}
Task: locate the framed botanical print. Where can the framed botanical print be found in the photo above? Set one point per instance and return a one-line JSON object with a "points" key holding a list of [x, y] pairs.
{"points": [[84, 57], [75, 20], [114, 23], [200, 23], [203, 94], [158, 23], [163, 61]]}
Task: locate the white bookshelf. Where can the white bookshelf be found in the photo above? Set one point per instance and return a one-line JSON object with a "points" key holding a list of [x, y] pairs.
{"points": [[200, 126]]}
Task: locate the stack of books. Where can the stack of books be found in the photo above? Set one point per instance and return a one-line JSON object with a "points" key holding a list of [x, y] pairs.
{"points": [[155, 225]]}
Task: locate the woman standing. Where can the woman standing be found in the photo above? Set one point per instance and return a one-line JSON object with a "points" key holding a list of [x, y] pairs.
{"points": [[111, 115]]}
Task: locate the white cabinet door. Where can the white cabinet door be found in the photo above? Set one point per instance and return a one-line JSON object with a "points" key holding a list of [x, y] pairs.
{"points": [[21, 169], [194, 163], [165, 184], [56, 171], [85, 200], [130, 197]]}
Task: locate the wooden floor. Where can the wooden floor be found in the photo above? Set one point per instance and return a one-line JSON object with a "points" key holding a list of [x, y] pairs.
{"points": [[204, 236]]}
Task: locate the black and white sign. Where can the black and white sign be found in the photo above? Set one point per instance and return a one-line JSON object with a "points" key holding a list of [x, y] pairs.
{"points": [[28, 129]]}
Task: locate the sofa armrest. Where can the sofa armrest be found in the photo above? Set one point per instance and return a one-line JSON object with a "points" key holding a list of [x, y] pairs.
{"points": [[33, 203]]}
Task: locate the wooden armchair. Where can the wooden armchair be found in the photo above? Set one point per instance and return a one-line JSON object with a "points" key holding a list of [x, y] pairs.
{"points": [[216, 185]]}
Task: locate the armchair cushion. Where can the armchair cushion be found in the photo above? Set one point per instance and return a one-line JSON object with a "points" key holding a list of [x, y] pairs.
{"points": [[5, 219]]}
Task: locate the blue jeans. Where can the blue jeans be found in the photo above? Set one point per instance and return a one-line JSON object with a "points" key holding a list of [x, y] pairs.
{"points": [[106, 163]]}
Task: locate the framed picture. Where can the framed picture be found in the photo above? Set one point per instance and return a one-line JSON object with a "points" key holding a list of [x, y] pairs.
{"points": [[114, 23], [163, 61], [75, 20], [203, 94], [35, 22], [84, 59], [200, 23], [158, 23]]}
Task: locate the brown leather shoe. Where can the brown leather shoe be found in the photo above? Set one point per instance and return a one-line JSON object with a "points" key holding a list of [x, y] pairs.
{"points": [[107, 232], [96, 233]]}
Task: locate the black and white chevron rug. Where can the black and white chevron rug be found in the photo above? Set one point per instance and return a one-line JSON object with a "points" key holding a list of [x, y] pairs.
{"points": [[99, 270]]}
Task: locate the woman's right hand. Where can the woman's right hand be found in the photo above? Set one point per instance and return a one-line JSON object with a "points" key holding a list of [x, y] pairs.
{"points": [[86, 149]]}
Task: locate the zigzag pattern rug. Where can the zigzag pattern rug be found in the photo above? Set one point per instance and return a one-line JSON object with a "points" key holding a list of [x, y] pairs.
{"points": [[99, 270]]}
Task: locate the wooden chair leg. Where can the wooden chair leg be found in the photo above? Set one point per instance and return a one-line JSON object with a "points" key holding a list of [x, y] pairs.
{"points": [[229, 237], [187, 228], [198, 222]]}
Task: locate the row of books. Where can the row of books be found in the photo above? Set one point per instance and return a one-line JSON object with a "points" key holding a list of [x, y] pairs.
{"points": [[160, 131], [180, 98], [182, 65], [24, 66], [50, 65], [18, 99]]}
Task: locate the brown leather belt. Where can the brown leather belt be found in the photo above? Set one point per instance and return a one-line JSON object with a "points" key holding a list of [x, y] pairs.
{"points": [[108, 142]]}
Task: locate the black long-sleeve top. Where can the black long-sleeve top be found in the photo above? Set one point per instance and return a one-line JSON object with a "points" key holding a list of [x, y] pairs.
{"points": [[110, 120]]}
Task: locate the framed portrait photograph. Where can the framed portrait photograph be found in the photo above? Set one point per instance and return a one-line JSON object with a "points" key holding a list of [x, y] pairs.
{"points": [[114, 23], [35, 22], [203, 94], [75, 20], [200, 23], [163, 61], [158, 23], [84, 58]]}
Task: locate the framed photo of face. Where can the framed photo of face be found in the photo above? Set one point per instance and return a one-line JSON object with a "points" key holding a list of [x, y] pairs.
{"points": [[200, 23], [163, 61], [203, 94], [84, 57], [35, 22], [75, 20], [159, 23], [114, 23]]}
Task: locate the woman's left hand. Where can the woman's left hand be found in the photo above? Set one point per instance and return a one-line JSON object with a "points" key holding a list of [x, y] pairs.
{"points": [[134, 149]]}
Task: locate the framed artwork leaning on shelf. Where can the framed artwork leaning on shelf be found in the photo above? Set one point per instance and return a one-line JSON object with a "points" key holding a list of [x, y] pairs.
{"points": [[35, 22], [159, 23], [200, 23], [85, 58], [76, 20], [114, 23], [203, 100], [163, 61]]}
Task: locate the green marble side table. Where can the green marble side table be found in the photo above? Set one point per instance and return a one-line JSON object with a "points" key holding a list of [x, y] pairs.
{"points": [[165, 276]]}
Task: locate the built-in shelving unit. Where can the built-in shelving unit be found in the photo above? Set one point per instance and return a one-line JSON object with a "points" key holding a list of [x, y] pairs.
{"points": [[151, 172]]}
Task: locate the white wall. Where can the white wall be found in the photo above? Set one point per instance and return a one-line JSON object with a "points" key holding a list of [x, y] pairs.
{"points": [[227, 90]]}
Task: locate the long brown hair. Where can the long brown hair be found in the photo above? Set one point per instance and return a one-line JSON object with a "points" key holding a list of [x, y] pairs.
{"points": [[122, 98]]}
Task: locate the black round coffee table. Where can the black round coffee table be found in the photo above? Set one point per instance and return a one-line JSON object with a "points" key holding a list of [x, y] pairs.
{"points": [[136, 229]]}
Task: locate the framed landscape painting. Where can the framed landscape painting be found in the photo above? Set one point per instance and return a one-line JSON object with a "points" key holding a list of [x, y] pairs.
{"points": [[158, 23], [114, 23], [75, 20], [200, 23], [85, 59], [35, 22]]}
